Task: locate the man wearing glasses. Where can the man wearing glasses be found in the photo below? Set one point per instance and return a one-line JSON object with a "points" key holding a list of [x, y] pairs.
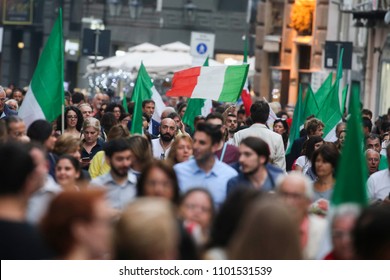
{"points": [[5, 111]]}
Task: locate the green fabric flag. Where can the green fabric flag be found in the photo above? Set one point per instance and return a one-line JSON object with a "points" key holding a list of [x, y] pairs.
{"points": [[124, 104], [142, 91], [310, 104], [344, 99], [352, 169], [297, 121], [324, 90], [45, 95], [195, 106], [330, 113]]}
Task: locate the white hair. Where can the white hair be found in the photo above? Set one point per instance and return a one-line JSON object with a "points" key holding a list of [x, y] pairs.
{"points": [[307, 183]]}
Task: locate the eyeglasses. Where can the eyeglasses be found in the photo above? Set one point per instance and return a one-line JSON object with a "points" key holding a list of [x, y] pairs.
{"points": [[71, 117]]}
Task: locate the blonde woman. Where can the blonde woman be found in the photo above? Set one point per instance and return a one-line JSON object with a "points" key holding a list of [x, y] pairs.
{"points": [[91, 144]]}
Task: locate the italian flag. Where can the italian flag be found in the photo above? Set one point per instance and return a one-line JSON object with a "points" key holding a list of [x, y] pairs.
{"points": [[143, 90], [245, 94], [220, 83], [45, 94]]}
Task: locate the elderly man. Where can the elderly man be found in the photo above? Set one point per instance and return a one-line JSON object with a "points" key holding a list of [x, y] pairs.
{"points": [[16, 129], [5, 111], [374, 142], [97, 103], [373, 158], [296, 190], [162, 145], [259, 115], [379, 183]]}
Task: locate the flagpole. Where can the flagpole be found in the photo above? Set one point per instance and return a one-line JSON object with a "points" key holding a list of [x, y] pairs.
{"points": [[62, 74]]}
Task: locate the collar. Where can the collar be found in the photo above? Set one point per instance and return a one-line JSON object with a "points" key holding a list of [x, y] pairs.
{"points": [[131, 178], [213, 170], [259, 125]]}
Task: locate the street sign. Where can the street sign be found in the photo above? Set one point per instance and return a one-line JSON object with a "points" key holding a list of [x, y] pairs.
{"points": [[332, 53], [96, 41], [202, 44]]}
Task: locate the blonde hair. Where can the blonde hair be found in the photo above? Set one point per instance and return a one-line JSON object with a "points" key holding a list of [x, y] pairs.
{"points": [[91, 122], [172, 153], [66, 143], [147, 229]]}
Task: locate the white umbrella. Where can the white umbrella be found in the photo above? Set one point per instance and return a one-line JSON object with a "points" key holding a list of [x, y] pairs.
{"points": [[176, 47], [164, 62], [144, 47]]}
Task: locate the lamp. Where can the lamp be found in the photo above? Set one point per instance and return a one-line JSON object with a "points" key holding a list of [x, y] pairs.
{"points": [[190, 10]]}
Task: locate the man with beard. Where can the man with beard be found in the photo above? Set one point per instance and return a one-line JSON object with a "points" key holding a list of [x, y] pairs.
{"points": [[205, 170], [161, 146], [119, 183], [231, 125], [256, 172]]}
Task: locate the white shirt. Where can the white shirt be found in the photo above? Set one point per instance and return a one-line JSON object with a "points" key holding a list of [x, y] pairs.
{"points": [[379, 185], [304, 163], [158, 151]]}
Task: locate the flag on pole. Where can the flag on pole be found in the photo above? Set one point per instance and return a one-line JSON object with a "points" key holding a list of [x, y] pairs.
{"points": [[344, 99], [197, 107], [45, 94], [220, 83], [310, 104], [297, 121], [330, 112], [352, 171], [323, 91], [143, 90], [245, 94], [124, 104]]}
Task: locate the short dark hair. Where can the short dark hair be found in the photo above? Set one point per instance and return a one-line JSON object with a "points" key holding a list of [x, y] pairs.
{"points": [[367, 123], [373, 136], [367, 112], [115, 146], [173, 115], [16, 165], [260, 111], [40, 131], [215, 115], [147, 101], [258, 145], [329, 153], [77, 97], [210, 130], [110, 107]]}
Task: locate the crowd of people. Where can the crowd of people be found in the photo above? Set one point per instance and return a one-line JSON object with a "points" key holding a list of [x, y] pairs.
{"points": [[226, 190]]}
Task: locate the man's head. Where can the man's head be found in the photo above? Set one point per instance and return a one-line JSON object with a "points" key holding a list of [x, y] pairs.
{"points": [[314, 127], [340, 127], [176, 117], [86, 110], [16, 128], [254, 154], [373, 142], [3, 97], [206, 142], [17, 94], [167, 111], [241, 117], [260, 112], [97, 101], [168, 130], [42, 132], [148, 107], [217, 120], [372, 158], [297, 192], [118, 156], [366, 113], [77, 98], [367, 126], [16, 168], [231, 123]]}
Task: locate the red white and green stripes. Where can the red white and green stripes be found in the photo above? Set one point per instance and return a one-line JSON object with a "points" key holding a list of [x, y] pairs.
{"points": [[220, 83]]}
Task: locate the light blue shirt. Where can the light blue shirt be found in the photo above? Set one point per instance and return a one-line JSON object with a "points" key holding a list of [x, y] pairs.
{"points": [[118, 196], [191, 176]]}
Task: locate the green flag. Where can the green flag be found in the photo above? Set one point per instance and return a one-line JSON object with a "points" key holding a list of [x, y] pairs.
{"points": [[352, 169], [324, 90], [45, 95], [330, 112], [124, 104], [344, 99], [310, 104], [142, 91], [196, 107], [297, 121]]}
